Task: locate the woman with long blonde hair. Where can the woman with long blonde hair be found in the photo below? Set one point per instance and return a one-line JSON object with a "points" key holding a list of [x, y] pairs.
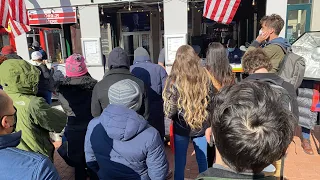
{"points": [[186, 99]]}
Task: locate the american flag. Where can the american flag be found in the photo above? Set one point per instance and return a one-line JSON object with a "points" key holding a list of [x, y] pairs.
{"points": [[221, 11], [15, 15]]}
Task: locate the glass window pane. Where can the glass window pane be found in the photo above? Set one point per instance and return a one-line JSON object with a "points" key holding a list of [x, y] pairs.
{"points": [[298, 1], [296, 24]]}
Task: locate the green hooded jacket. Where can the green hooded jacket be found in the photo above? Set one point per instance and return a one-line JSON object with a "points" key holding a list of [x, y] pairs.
{"points": [[35, 118]]}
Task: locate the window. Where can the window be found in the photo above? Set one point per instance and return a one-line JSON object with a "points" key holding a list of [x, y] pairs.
{"points": [[299, 1]]}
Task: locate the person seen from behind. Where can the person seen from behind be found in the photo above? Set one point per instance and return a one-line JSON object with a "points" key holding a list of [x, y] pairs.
{"points": [[46, 82], [274, 45], [16, 163], [220, 73], [9, 53], [120, 144], [154, 77], [119, 69], [35, 117], [36, 47], [162, 58], [75, 97], [257, 64], [186, 99], [251, 130], [234, 53]]}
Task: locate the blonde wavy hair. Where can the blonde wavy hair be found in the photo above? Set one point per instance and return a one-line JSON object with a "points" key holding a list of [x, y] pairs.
{"points": [[192, 84]]}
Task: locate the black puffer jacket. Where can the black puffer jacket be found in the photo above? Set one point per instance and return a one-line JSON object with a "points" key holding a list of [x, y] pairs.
{"points": [[180, 126], [75, 97]]}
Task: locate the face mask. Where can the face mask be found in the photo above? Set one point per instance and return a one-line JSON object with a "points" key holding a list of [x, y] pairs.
{"points": [[231, 49]]}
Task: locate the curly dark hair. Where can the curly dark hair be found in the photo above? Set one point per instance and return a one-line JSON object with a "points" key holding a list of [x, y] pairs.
{"points": [[255, 59], [2, 58], [250, 127], [273, 21]]}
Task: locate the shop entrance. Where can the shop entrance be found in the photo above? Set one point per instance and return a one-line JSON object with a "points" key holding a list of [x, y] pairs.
{"points": [[130, 41], [55, 45]]}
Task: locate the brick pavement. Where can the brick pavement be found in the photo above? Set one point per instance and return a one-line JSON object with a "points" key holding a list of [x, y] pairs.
{"points": [[298, 165]]}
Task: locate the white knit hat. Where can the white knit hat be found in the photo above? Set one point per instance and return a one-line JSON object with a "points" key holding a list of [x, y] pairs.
{"points": [[36, 55]]}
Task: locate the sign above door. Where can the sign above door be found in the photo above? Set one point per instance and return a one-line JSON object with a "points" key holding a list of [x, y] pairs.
{"points": [[66, 15]]}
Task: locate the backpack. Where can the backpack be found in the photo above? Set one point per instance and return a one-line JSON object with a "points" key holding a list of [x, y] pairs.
{"points": [[292, 67], [284, 96], [285, 100]]}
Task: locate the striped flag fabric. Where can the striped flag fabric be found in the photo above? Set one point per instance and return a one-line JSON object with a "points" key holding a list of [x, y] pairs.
{"points": [[15, 15], [4, 15], [221, 11]]}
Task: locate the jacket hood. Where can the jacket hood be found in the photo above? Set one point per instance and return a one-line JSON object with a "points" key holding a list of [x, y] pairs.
{"points": [[10, 140], [84, 82], [18, 76], [281, 41], [121, 123], [260, 76], [141, 55], [118, 58]]}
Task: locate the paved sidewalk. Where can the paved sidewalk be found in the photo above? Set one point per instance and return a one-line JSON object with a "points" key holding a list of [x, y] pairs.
{"points": [[298, 165]]}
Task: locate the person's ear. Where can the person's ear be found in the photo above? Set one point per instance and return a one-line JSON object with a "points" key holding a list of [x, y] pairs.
{"points": [[4, 122]]}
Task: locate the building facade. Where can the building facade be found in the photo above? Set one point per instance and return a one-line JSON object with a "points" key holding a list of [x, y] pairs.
{"points": [[300, 16]]}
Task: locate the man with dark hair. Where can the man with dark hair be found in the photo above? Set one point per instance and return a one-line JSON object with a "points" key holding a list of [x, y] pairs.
{"points": [[251, 130], [234, 53], [15, 163], [256, 63], [271, 27]]}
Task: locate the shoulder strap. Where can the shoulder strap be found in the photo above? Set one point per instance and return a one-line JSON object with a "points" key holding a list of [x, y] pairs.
{"points": [[285, 51], [215, 83]]}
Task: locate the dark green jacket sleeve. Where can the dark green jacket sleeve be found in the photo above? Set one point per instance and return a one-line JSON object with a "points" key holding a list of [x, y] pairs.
{"points": [[46, 116], [273, 51]]}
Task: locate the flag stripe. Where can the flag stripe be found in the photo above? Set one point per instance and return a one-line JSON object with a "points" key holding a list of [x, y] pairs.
{"points": [[4, 7], [225, 8], [18, 16], [233, 12], [206, 8], [228, 12], [215, 9], [222, 11]]}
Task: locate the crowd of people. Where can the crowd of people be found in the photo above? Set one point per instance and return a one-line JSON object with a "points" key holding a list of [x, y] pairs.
{"points": [[114, 128]]}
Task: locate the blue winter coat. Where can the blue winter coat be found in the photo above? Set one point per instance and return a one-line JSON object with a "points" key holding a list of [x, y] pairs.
{"points": [[16, 164], [154, 77], [120, 144]]}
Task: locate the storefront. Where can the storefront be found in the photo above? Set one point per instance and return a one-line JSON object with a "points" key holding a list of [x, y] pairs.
{"points": [[149, 23]]}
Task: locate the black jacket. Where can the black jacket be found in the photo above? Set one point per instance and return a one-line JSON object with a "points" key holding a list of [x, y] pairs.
{"points": [[75, 97], [119, 65], [220, 172], [289, 87], [46, 82]]}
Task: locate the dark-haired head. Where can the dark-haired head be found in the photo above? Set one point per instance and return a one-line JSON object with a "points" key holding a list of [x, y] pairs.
{"points": [[251, 129], [254, 60], [218, 64]]}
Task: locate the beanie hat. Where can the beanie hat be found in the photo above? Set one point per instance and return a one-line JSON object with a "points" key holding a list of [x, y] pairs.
{"points": [[36, 55], [75, 66], [127, 93], [7, 50], [35, 44], [141, 54]]}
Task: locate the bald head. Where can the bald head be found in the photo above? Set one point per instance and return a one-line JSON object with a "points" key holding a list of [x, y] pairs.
{"points": [[4, 103]]}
